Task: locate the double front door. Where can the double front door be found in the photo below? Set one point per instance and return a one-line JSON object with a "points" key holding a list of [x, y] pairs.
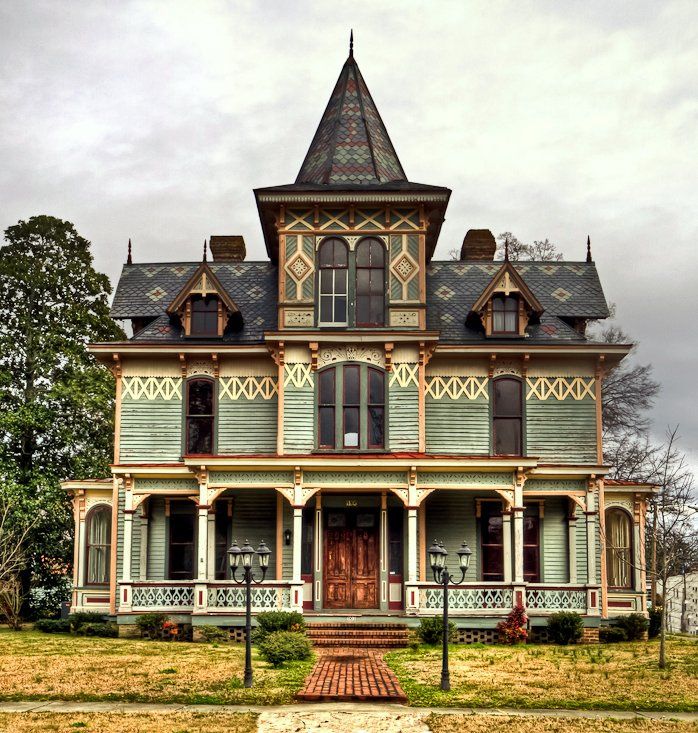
{"points": [[351, 558]]}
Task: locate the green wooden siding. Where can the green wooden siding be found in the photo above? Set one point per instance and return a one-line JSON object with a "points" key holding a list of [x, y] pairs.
{"points": [[254, 519], [581, 545], [157, 536], [247, 426], [451, 520], [151, 430], [287, 550], [457, 426], [554, 560], [403, 418], [561, 431], [299, 419]]}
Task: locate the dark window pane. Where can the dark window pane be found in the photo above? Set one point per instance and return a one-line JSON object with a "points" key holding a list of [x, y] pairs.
{"points": [[307, 542], [340, 309], [181, 545], [351, 427], [531, 574], [362, 255], [376, 315], [377, 286], [204, 315], [326, 420], [362, 282], [200, 435], [376, 389], [507, 436], [351, 385], [340, 253], [363, 311], [326, 280], [505, 313], [327, 387], [326, 308], [200, 397], [340, 282], [492, 564], [375, 426], [530, 530], [370, 286], [395, 541], [507, 398]]}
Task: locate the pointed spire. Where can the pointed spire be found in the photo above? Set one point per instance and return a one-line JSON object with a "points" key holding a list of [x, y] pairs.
{"points": [[351, 44], [205, 259], [589, 249], [129, 259]]}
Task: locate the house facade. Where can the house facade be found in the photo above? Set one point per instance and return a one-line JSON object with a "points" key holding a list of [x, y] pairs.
{"points": [[348, 401]]}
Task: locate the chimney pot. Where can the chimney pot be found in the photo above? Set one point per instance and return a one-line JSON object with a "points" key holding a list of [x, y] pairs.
{"points": [[229, 248], [478, 244]]}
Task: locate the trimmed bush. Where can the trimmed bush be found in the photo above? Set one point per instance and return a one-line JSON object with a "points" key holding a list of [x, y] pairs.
{"points": [[270, 622], [109, 631], [634, 624], [85, 617], [53, 625], [655, 622], [284, 646], [612, 634], [513, 630], [150, 624], [212, 633], [566, 627], [431, 630]]}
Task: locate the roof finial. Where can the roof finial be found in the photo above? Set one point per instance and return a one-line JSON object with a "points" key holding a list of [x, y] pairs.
{"points": [[351, 43], [129, 260], [506, 249], [589, 249], [205, 245]]}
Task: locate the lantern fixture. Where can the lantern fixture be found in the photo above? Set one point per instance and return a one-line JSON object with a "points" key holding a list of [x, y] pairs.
{"points": [[234, 556], [263, 553], [247, 552], [464, 553]]}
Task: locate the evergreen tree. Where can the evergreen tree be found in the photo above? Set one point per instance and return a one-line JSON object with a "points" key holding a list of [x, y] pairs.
{"points": [[56, 402]]}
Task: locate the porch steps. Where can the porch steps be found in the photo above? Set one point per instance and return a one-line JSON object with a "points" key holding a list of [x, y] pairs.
{"points": [[363, 635]]}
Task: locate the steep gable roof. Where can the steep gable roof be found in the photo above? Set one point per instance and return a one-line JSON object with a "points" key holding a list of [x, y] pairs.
{"points": [[507, 277], [202, 282]]}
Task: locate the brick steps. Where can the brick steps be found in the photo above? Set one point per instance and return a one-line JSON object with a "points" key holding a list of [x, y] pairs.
{"points": [[352, 635]]}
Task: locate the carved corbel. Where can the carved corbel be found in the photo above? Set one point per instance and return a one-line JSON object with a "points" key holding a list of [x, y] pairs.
{"points": [[521, 476], [599, 372], [422, 495], [525, 359], [297, 475], [128, 482], [216, 365], [402, 494], [389, 357], [138, 500], [490, 370], [183, 365], [116, 366], [426, 351], [508, 497], [314, 348]]}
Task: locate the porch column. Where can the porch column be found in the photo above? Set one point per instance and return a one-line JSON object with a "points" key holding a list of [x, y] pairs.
{"points": [[506, 544], [297, 542], [591, 538], [211, 539], [202, 506], [317, 570], [572, 542], [518, 510], [125, 594], [411, 591], [383, 539]]}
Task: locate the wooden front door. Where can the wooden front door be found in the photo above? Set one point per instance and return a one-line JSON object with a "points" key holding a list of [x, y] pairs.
{"points": [[351, 559]]}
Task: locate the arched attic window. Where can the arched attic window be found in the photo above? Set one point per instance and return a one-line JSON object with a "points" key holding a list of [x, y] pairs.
{"points": [[619, 547], [507, 418], [370, 283], [98, 545], [333, 262]]}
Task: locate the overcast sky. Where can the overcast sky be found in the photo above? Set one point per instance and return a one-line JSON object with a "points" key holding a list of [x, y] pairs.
{"points": [[155, 120]]}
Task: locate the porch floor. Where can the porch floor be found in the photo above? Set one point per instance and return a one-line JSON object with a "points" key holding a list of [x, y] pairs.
{"points": [[344, 674]]}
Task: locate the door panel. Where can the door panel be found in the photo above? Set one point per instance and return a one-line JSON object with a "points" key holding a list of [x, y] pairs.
{"points": [[365, 569], [337, 567]]}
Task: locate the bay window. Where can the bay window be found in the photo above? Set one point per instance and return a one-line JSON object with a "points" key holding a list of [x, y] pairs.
{"points": [[619, 548]]}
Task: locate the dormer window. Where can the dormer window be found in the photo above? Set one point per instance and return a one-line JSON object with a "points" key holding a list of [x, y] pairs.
{"points": [[505, 314], [204, 315]]}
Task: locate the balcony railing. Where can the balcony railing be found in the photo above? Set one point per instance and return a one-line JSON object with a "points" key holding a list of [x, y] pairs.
{"points": [[170, 595], [480, 597], [551, 598], [265, 597]]}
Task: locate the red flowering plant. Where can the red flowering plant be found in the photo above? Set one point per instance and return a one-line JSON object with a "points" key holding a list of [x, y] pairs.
{"points": [[513, 630]]}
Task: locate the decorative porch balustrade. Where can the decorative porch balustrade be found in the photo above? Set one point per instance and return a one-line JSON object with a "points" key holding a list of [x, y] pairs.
{"points": [[467, 598], [163, 595], [264, 597], [556, 599]]}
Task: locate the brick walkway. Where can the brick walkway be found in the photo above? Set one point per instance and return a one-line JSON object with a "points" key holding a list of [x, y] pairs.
{"points": [[343, 674]]}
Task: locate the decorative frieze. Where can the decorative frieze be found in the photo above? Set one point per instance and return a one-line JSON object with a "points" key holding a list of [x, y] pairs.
{"points": [[270, 479], [455, 387], [334, 355], [562, 485], [298, 375], [403, 318], [560, 388], [355, 478], [405, 375], [248, 388], [151, 388], [466, 478], [299, 318]]}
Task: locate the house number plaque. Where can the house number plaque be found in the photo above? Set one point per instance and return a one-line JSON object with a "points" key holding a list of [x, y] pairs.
{"points": [[351, 502]]}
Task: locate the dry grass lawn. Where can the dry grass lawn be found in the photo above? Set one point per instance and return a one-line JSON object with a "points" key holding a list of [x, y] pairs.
{"points": [[36, 666], [127, 723], [613, 676], [501, 724]]}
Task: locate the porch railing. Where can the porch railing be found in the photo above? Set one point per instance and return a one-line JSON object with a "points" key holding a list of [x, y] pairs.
{"points": [[265, 597], [551, 598], [467, 598], [169, 594]]}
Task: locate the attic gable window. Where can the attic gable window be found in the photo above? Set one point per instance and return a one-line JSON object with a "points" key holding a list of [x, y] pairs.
{"points": [[204, 315], [505, 313]]}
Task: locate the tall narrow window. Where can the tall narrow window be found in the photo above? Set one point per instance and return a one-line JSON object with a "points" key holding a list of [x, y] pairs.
{"points": [[351, 406], [200, 417], [505, 314], [618, 548], [326, 409], [333, 262], [491, 541], [204, 315], [181, 544], [370, 283], [98, 545], [531, 544], [223, 526], [506, 417], [376, 408]]}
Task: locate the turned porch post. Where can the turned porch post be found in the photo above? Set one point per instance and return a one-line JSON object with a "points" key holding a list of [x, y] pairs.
{"points": [[518, 510], [572, 542], [506, 543], [591, 536], [125, 597]]}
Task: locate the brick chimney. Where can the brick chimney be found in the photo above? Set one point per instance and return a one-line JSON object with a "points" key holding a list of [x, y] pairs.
{"points": [[227, 248], [478, 244]]}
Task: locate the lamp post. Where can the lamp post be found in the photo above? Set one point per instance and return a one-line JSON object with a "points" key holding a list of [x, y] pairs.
{"points": [[243, 556], [437, 559]]}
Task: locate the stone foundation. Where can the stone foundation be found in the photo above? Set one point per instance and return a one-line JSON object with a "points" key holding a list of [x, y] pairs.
{"points": [[590, 635], [129, 631]]}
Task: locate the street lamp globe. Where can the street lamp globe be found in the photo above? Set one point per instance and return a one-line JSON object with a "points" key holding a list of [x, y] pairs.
{"points": [[247, 552], [437, 556], [263, 553], [464, 553], [234, 555]]}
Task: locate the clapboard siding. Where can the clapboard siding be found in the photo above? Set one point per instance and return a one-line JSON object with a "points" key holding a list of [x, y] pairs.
{"points": [[151, 431], [247, 426], [457, 426], [451, 520], [403, 418], [254, 519], [554, 542], [561, 431], [287, 551], [157, 527], [299, 422]]}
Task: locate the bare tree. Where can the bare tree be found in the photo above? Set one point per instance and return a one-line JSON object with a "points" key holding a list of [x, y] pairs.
{"points": [[540, 249]]}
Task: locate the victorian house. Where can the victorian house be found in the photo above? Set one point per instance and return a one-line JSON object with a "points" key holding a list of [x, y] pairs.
{"points": [[349, 400]]}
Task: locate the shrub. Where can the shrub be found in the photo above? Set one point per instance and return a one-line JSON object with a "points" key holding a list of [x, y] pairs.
{"points": [[85, 617], [634, 624], [612, 634], [151, 624], [565, 627], [53, 625], [284, 646], [106, 630], [211, 633], [431, 630], [655, 622], [513, 629], [270, 622]]}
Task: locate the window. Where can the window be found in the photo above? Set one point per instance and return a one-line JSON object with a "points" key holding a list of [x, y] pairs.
{"points": [[204, 315], [531, 544], [222, 536], [370, 283], [491, 541], [506, 417], [307, 542], [98, 545], [181, 544], [351, 408], [333, 263], [199, 417], [395, 517], [505, 314], [618, 548]]}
